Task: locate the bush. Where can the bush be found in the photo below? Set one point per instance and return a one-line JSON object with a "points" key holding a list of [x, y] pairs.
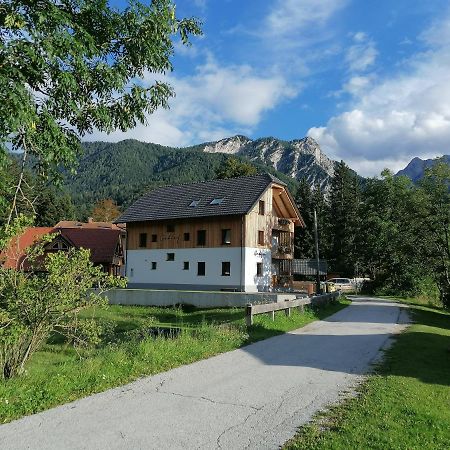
{"points": [[35, 304]]}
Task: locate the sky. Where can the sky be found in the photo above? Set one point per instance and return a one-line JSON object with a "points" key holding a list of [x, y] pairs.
{"points": [[368, 79]]}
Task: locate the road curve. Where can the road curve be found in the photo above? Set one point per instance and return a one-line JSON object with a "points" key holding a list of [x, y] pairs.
{"points": [[252, 398]]}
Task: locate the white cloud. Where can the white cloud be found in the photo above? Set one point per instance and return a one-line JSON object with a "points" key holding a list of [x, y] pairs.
{"points": [[288, 16], [215, 102], [390, 121], [362, 54], [357, 84]]}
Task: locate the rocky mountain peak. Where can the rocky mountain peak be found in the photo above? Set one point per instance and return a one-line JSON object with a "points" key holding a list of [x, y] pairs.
{"points": [[300, 158], [230, 145]]}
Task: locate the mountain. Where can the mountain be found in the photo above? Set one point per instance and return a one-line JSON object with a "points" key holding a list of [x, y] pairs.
{"points": [[300, 158], [415, 170], [125, 170]]}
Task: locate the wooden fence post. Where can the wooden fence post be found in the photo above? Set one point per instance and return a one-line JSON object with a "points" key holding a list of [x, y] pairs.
{"points": [[249, 315]]}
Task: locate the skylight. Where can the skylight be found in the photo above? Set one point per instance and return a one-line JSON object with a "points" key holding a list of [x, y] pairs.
{"points": [[217, 201], [194, 203]]}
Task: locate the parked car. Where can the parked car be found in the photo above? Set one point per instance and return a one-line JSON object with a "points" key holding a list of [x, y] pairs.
{"points": [[343, 284]]}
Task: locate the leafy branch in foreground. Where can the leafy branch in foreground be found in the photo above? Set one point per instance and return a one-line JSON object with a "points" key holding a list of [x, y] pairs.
{"points": [[69, 67], [35, 303]]}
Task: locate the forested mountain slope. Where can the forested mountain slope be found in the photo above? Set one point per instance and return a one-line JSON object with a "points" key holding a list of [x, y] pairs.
{"points": [[125, 170]]}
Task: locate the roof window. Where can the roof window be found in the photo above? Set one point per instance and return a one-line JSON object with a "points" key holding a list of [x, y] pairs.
{"points": [[217, 201], [194, 203]]}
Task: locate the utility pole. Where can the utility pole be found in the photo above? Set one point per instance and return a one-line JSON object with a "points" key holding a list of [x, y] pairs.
{"points": [[316, 239]]}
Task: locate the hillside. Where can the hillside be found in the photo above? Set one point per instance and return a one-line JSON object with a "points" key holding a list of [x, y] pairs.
{"points": [[415, 170], [125, 170]]}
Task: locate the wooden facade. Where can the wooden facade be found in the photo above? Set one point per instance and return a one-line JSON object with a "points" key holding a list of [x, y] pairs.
{"points": [[159, 235]]}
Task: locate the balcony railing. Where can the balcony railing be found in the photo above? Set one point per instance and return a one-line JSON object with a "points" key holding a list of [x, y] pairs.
{"points": [[281, 224]]}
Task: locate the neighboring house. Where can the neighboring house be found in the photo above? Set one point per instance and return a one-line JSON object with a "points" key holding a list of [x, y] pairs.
{"points": [[231, 234], [106, 244], [14, 257]]}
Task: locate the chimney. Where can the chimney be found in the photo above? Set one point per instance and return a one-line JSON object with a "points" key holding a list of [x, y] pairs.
{"points": [[90, 220]]}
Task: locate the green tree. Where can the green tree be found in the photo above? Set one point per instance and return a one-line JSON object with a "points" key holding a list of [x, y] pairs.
{"points": [[37, 198], [51, 207], [234, 167], [344, 205], [304, 236], [68, 67], [324, 220], [390, 234], [435, 223]]}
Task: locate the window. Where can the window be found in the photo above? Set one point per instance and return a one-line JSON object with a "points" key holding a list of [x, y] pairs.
{"points": [[262, 207], [194, 203], [201, 269], [201, 237], [226, 236], [60, 246], [154, 265], [154, 238], [170, 228], [170, 257], [260, 237], [187, 237], [186, 265], [217, 201], [143, 240], [259, 269], [226, 268]]}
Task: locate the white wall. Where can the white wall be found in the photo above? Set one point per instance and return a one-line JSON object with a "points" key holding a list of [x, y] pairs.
{"points": [[171, 273], [253, 256]]}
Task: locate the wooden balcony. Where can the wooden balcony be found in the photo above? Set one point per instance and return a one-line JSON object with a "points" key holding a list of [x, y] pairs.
{"points": [[281, 224], [282, 244]]}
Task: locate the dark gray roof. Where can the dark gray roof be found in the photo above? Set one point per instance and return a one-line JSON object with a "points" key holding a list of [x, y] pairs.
{"points": [[172, 202]]}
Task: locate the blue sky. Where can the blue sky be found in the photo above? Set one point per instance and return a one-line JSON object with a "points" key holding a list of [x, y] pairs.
{"points": [[368, 79]]}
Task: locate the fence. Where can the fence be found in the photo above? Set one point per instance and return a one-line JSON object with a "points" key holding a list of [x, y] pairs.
{"points": [[319, 300]]}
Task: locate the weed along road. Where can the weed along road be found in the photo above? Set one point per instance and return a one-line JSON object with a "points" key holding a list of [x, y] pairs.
{"points": [[254, 397]]}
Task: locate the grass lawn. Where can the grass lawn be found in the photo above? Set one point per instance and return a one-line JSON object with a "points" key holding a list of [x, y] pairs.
{"points": [[405, 405], [59, 373]]}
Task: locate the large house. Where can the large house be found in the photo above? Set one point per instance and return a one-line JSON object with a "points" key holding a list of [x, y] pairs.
{"points": [[232, 234]]}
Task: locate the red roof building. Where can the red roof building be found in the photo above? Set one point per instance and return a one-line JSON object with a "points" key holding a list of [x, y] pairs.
{"points": [[14, 257], [106, 244]]}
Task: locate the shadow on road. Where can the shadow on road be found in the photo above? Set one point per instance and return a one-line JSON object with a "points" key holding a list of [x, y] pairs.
{"points": [[348, 353]]}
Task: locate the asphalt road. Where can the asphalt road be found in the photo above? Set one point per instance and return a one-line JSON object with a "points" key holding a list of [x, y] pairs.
{"points": [[253, 398]]}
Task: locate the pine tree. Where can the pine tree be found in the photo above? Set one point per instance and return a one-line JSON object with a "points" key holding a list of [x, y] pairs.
{"points": [[324, 219], [345, 195], [304, 236]]}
